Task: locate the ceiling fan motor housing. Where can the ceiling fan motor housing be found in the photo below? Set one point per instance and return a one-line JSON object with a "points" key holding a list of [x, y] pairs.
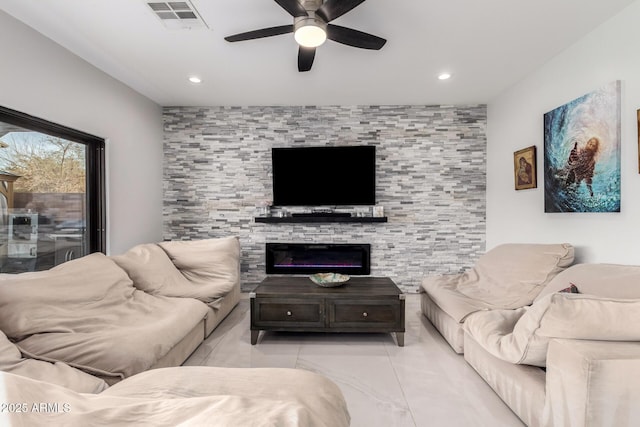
{"points": [[311, 5], [304, 21]]}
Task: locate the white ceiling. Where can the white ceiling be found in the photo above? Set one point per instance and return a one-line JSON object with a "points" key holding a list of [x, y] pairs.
{"points": [[487, 45]]}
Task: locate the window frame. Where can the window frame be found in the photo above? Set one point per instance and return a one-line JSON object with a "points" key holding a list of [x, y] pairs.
{"points": [[95, 170]]}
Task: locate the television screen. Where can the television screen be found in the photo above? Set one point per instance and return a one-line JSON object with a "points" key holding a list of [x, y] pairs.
{"points": [[324, 176]]}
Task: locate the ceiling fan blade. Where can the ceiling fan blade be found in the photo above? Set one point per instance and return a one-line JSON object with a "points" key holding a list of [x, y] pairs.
{"points": [[293, 7], [331, 9], [305, 58], [258, 34], [354, 38]]}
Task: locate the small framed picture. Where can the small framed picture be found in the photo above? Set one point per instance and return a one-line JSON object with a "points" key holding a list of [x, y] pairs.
{"points": [[524, 163]]}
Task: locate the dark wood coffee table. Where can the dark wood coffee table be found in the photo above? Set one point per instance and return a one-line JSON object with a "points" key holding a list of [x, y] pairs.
{"points": [[296, 304]]}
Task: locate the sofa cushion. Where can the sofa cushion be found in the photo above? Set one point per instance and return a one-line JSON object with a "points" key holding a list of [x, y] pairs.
{"points": [[607, 280], [523, 335], [50, 301], [508, 276], [152, 271], [591, 384], [211, 265], [11, 360], [317, 393], [87, 313], [185, 396]]}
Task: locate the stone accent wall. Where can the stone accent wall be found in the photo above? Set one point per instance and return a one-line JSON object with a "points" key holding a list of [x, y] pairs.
{"points": [[431, 181]]}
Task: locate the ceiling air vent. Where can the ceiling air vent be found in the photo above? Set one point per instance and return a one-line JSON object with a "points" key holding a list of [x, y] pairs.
{"points": [[177, 14]]}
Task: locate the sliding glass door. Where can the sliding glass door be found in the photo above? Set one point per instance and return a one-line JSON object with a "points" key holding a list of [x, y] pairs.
{"points": [[51, 193]]}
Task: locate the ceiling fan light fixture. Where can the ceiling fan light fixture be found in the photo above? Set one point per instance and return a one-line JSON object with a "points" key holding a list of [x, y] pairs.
{"points": [[311, 28], [310, 32]]}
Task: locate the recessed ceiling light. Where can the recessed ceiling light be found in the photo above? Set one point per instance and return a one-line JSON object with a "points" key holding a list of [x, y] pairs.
{"points": [[195, 79], [444, 76]]}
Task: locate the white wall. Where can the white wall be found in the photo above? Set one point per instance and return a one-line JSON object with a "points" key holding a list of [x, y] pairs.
{"points": [[40, 78], [515, 120]]}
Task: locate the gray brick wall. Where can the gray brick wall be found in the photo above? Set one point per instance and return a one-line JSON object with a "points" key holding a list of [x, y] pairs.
{"points": [[430, 160]]}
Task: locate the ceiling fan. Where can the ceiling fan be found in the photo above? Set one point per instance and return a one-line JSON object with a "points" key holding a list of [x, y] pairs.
{"points": [[311, 28]]}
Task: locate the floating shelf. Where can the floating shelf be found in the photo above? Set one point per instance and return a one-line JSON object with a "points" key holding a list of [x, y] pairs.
{"points": [[328, 218]]}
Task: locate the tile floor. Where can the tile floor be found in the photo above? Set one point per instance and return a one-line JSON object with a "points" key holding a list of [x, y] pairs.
{"points": [[423, 383]]}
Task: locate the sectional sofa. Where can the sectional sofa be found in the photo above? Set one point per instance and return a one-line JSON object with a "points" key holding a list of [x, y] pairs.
{"points": [[508, 276], [114, 317], [106, 335], [569, 357]]}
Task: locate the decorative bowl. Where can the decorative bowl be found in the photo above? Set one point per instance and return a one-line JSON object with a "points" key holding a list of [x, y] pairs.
{"points": [[329, 280]]}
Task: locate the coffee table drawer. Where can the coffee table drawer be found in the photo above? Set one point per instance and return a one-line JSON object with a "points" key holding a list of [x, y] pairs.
{"points": [[288, 312], [358, 313]]}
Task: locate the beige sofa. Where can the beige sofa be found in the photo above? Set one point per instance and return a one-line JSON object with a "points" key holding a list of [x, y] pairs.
{"points": [[207, 270], [89, 342], [508, 276], [114, 317], [184, 396], [569, 359]]}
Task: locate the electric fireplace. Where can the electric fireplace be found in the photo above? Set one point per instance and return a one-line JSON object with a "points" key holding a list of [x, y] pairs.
{"points": [[310, 258]]}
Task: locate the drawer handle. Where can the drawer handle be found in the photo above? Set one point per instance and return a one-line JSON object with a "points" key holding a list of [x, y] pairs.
{"points": [[288, 313], [364, 314]]}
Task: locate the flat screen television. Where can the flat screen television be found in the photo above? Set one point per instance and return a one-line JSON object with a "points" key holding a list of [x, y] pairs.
{"points": [[324, 176]]}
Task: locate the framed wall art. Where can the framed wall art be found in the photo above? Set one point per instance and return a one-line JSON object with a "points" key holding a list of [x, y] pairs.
{"points": [[582, 153], [524, 167]]}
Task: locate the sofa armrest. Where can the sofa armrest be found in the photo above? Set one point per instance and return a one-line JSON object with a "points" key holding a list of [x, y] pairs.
{"points": [[592, 383]]}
